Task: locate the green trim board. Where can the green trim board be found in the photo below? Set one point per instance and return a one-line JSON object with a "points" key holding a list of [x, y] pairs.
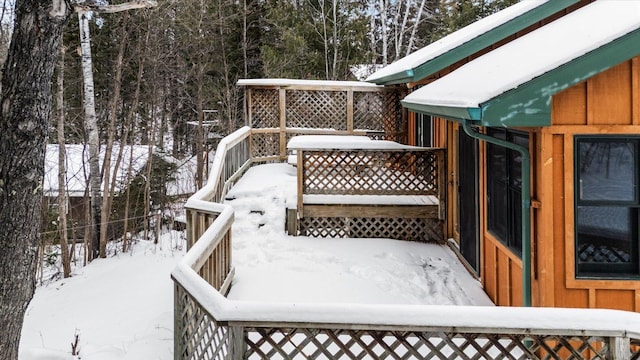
{"points": [[476, 44], [529, 104]]}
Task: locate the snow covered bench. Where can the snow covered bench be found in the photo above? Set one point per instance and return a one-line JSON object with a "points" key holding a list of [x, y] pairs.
{"points": [[349, 186]]}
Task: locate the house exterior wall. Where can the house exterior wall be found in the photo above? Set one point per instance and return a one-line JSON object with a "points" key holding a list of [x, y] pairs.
{"points": [[608, 103]]}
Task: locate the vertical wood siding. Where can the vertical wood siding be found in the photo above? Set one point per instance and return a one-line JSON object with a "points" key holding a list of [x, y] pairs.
{"points": [[608, 103]]}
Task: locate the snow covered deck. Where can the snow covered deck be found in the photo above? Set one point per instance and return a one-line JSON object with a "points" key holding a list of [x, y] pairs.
{"points": [[209, 325], [271, 266]]}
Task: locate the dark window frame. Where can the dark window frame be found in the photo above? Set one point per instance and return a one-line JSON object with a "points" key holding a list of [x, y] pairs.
{"points": [[607, 270], [504, 188]]}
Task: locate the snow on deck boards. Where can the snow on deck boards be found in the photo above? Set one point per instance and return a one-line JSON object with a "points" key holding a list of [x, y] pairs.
{"points": [[371, 199], [273, 267], [342, 142]]}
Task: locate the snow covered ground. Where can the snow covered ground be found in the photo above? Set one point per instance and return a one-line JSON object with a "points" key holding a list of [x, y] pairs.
{"points": [[121, 307]]}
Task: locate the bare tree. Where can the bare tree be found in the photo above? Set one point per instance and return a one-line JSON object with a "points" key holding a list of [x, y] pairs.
{"points": [[62, 169], [26, 101], [97, 247]]}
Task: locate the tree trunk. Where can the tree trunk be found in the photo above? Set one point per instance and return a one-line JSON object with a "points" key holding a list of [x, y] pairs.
{"points": [[110, 179], [91, 127], [62, 169], [24, 119]]}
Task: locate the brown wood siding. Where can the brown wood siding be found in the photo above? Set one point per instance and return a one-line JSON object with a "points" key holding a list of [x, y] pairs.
{"points": [[608, 103], [609, 96]]}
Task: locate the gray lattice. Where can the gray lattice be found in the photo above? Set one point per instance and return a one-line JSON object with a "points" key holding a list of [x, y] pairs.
{"points": [[265, 144], [371, 172], [380, 111], [323, 227], [412, 229], [264, 108], [198, 335], [317, 109], [299, 343]]}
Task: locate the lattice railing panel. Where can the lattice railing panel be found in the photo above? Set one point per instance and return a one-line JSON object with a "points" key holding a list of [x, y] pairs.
{"points": [[369, 111], [198, 336], [264, 108], [300, 343], [380, 111], [412, 229], [376, 172], [317, 109], [265, 144]]}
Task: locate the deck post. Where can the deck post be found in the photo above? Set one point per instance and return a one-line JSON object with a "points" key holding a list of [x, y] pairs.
{"points": [[237, 345], [619, 348], [177, 324], [442, 185]]}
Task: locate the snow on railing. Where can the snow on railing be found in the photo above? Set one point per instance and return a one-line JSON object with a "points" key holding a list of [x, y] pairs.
{"points": [[210, 326]]}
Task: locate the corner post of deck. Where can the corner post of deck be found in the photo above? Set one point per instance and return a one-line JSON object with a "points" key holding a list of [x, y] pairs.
{"points": [[282, 113], [619, 348], [300, 167], [237, 345], [442, 184]]}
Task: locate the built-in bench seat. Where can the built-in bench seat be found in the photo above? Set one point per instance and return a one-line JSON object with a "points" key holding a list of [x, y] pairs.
{"points": [[352, 186]]}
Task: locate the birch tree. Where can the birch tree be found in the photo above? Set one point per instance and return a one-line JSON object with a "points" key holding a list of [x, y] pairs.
{"points": [[98, 242]]}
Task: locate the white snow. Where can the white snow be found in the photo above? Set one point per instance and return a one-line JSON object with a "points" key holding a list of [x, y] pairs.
{"points": [[296, 82], [371, 199], [343, 142], [271, 266], [455, 39], [532, 55], [121, 308], [77, 157]]}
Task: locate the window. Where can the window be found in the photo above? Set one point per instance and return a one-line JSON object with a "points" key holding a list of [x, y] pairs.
{"points": [[607, 203], [424, 130], [504, 188]]}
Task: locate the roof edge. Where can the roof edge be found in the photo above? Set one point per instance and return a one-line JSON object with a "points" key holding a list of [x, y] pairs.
{"points": [[529, 104], [476, 44]]}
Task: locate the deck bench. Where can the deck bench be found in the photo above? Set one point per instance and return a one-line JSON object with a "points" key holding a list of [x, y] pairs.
{"points": [[350, 186]]}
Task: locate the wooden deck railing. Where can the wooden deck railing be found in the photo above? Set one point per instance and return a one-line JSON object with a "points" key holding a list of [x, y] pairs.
{"points": [[207, 325], [278, 109], [210, 326]]}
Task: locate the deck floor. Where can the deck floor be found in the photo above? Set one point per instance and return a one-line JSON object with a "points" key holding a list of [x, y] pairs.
{"points": [[271, 266]]}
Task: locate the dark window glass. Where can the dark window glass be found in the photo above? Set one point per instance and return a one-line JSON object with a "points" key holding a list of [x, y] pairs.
{"points": [[607, 206], [424, 130], [607, 170], [504, 189]]}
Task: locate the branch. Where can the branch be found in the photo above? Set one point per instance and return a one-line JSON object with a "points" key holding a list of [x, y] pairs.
{"points": [[108, 9]]}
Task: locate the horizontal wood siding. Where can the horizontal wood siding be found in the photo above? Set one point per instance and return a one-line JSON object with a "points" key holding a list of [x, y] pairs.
{"points": [[608, 103]]}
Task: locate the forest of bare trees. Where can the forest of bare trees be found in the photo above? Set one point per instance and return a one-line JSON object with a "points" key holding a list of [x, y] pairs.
{"points": [[163, 75]]}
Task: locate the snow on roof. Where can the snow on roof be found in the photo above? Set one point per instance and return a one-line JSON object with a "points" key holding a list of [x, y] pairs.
{"points": [[78, 169], [532, 55], [294, 82], [456, 39], [363, 71]]}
